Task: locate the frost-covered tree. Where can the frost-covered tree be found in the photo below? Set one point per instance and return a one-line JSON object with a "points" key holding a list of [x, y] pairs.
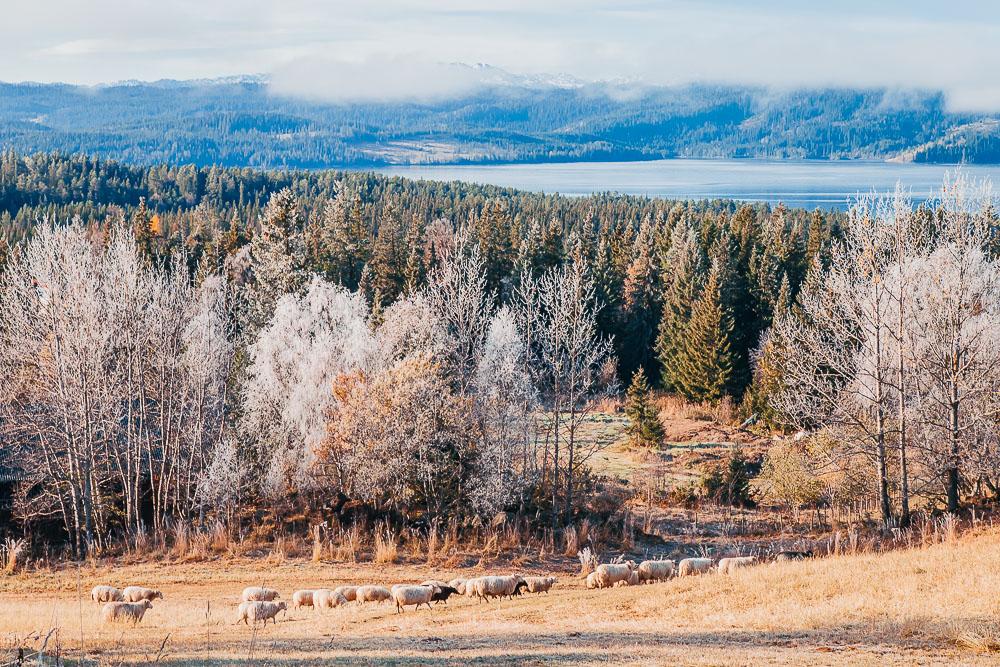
{"points": [[310, 341], [506, 460], [573, 363], [836, 365], [458, 293], [114, 374], [277, 260], [955, 340]]}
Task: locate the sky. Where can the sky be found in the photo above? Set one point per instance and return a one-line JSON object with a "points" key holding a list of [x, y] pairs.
{"points": [[403, 48]]}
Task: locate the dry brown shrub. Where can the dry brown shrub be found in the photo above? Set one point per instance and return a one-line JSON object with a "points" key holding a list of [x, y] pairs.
{"points": [[386, 547], [977, 636]]}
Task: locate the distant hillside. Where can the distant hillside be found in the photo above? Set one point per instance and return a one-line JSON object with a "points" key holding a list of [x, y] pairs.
{"points": [[238, 122]]}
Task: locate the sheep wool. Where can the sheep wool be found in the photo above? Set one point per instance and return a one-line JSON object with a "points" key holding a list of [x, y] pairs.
{"points": [[125, 612]]}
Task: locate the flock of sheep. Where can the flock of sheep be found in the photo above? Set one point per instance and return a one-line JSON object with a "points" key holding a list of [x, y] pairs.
{"points": [[260, 604]]}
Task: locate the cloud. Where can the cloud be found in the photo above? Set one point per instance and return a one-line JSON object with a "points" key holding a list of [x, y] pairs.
{"points": [[384, 79], [387, 49]]}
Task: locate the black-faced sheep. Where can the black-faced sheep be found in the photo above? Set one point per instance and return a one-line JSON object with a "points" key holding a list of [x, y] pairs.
{"points": [[404, 595]]}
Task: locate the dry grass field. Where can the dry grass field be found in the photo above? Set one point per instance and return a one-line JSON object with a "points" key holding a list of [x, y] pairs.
{"points": [[936, 605]]}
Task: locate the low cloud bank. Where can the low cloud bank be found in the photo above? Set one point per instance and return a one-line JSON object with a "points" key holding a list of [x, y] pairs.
{"points": [[392, 79]]}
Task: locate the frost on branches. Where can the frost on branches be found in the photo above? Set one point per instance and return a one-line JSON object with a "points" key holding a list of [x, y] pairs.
{"points": [[310, 341], [893, 345]]}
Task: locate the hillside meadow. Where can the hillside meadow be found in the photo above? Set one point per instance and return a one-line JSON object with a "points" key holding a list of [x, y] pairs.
{"points": [[934, 605]]}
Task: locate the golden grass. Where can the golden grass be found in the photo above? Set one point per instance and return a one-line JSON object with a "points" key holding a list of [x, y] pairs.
{"points": [[935, 605]]}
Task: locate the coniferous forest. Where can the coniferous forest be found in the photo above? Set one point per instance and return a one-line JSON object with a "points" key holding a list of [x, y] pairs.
{"points": [[665, 270]]}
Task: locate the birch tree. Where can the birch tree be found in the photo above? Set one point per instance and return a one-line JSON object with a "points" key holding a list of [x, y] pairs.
{"points": [[573, 362]]}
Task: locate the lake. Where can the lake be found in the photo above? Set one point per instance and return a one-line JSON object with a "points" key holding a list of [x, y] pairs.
{"points": [[797, 183]]}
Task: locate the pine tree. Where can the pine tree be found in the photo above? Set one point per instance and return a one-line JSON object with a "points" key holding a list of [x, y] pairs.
{"points": [[344, 238], [388, 263], [644, 428], [414, 272], [639, 312], [704, 363], [682, 272], [141, 222]]}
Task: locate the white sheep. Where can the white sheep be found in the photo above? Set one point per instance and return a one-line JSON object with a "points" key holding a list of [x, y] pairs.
{"points": [[609, 574], [350, 593], [656, 570], [106, 594], [690, 566], [373, 594], [592, 580], [138, 594], [324, 598], [485, 588], [257, 610], [125, 612], [539, 584], [730, 565], [458, 584], [403, 595], [302, 599], [259, 594], [633, 580]]}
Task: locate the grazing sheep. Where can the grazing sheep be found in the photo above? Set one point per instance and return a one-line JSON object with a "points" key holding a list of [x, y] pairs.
{"points": [[125, 612], [373, 594], [592, 580], [302, 599], [349, 592], [485, 588], [633, 580], [609, 574], [793, 555], [106, 594], [138, 594], [403, 595], [257, 610], [655, 570], [458, 585], [324, 598], [730, 565], [539, 584], [444, 592], [690, 566], [259, 594]]}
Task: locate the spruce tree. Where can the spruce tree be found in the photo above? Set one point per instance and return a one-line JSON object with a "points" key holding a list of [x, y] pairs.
{"points": [[388, 262], [640, 308], [682, 274], [704, 362], [644, 428]]}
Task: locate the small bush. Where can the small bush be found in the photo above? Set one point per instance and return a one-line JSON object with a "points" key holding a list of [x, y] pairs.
{"points": [[727, 482]]}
